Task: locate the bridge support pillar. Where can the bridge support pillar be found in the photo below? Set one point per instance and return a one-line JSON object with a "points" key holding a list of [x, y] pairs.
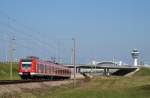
{"points": [[104, 71], [107, 71], [78, 70]]}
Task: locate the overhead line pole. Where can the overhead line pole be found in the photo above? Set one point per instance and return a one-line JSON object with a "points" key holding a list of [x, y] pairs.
{"points": [[11, 49], [74, 60]]}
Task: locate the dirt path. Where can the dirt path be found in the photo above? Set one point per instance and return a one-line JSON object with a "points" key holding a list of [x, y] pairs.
{"points": [[11, 89]]}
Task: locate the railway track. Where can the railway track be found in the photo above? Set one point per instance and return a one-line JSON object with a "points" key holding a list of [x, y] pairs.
{"points": [[6, 82]]}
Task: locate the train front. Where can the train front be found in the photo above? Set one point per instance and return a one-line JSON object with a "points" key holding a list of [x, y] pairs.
{"points": [[27, 68]]}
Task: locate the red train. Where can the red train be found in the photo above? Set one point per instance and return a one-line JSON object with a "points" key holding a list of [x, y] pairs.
{"points": [[34, 68]]}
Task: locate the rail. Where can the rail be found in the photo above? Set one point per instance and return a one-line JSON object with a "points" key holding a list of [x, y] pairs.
{"points": [[6, 82]]}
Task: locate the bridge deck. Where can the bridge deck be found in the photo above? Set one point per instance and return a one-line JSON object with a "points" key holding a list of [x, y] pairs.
{"points": [[102, 67]]}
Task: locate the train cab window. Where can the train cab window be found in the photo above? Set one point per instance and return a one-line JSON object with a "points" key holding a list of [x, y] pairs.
{"points": [[26, 66]]}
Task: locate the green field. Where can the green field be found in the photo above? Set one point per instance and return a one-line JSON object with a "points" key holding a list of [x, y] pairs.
{"points": [[5, 71], [136, 86]]}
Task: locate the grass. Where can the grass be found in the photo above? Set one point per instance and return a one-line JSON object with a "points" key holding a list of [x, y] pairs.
{"points": [[136, 86], [143, 72], [5, 71]]}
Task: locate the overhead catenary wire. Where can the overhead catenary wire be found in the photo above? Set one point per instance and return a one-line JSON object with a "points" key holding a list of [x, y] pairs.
{"points": [[36, 37], [24, 26], [28, 36], [31, 50], [36, 43]]}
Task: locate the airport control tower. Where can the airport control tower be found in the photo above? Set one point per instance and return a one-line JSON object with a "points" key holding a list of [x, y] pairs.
{"points": [[135, 55]]}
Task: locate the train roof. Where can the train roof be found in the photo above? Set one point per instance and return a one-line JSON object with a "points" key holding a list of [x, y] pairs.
{"points": [[30, 58]]}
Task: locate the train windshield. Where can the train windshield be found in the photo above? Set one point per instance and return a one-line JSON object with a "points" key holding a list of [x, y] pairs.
{"points": [[26, 65]]}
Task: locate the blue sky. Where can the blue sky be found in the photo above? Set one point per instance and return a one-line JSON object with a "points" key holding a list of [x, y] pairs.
{"points": [[102, 28]]}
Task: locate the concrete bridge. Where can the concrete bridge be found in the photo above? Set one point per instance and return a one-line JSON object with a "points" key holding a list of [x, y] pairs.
{"points": [[119, 70]]}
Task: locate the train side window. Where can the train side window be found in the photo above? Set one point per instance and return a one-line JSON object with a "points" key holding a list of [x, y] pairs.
{"points": [[38, 67], [46, 68], [41, 67]]}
